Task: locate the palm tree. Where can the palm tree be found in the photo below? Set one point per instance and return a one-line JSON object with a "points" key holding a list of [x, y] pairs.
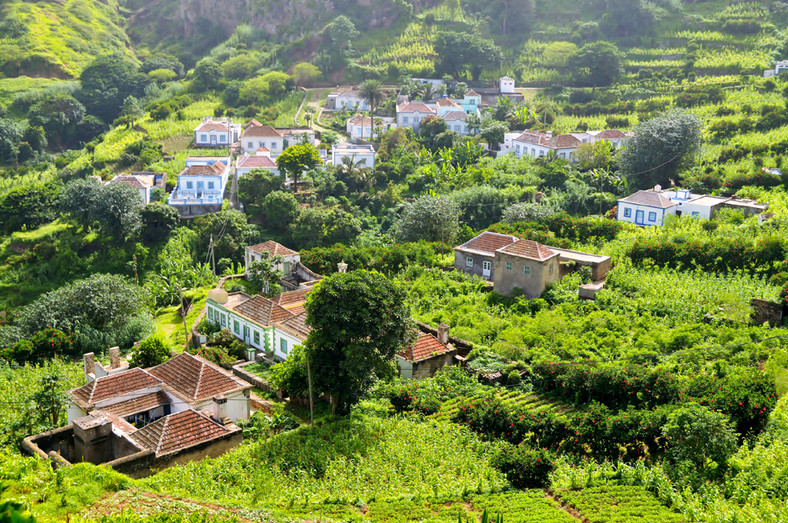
{"points": [[427, 92], [351, 168], [372, 92]]}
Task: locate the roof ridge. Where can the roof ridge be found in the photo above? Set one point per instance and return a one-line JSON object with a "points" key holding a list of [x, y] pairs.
{"points": [[165, 426], [199, 380]]}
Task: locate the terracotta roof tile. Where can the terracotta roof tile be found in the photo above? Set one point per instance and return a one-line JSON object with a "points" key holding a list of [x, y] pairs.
{"points": [[263, 311], [214, 126], [139, 404], [287, 299], [649, 199], [258, 161], [472, 93], [107, 387], [131, 181], [426, 346], [413, 107], [296, 326], [447, 102], [529, 249], [216, 169], [610, 134], [262, 131], [487, 243], [195, 378], [273, 248], [562, 141], [452, 116], [179, 431]]}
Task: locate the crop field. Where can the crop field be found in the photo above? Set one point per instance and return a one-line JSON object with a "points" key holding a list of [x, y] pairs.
{"points": [[523, 402], [618, 504]]}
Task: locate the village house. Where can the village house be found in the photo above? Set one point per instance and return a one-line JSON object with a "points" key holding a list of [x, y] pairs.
{"points": [[346, 97], [144, 182], [426, 355], [135, 420], [780, 67], [506, 85], [216, 133], [201, 186], [256, 135], [362, 155], [540, 144], [254, 253], [410, 114], [261, 159], [359, 127], [453, 111], [517, 265], [649, 207]]}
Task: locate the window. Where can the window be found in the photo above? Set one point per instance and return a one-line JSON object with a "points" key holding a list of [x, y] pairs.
{"points": [[550, 269], [210, 185], [508, 266], [283, 345], [527, 270], [486, 265], [627, 212], [404, 119], [652, 216], [257, 337], [236, 327], [189, 185], [517, 148], [224, 319], [468, 261], [222, 138], [203, 137]]}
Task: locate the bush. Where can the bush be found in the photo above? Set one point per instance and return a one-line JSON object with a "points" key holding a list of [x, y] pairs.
{"points": [[525, 467], [226, 340], [43, 345], [216, 355], [149, 353], [208, 327]]}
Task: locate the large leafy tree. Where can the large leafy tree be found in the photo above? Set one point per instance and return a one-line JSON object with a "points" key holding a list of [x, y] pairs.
{"points": [[323, 226], [60, 116], [461, 51], [158, 221], [359, 321], [265, 274], [372, 92], [10, 134], [279, 209], [206, 75], [296, 159], [429, 218], [230, 232], [114, 208], [597, 64], [28, 206], [701, 441], [660, 148], [107, 82], [254, 186]]}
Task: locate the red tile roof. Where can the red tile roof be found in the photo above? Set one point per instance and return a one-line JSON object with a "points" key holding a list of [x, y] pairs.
{"points": [[455, 116], [610, 134], [487, 243], [195, 378], [529, 249], [213, 126], [107, 387], [472, 93], [180, 431], [139, 404], [287, 299], [413, 107], [258, 161], [130, 180], [216, 169], [273, 248], [649, 199], [263, 311], [263, 131], [447, 102], [559, 141], [426, 346], [296, 326]]}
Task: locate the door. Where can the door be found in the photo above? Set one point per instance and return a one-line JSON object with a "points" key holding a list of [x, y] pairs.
{"points": [[200, 189], [213, 139], [246, 334], [640, 218], [486, 269]]}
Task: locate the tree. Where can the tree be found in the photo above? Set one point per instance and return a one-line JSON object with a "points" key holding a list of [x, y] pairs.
{"points": [[117, 211], [352, 170], [557, 54], [493, 133], [29, 206], [429, 218], [265, 274], [277, 82], [594, 155], [279, 209], [206, 75], [597, 64], [158, 220], [59, 115], [296, 159], [461, 51], [323, 226], [230, 233], [372, 93], [50, 401], [359, 322], [527, 212], [10, 134], [305, 73], [254, 91], [342, 33], [254, 186], [79, 198], [625, 18], [660, 148], [107, 82], [699, 439], [149, 353], [131, 110]]}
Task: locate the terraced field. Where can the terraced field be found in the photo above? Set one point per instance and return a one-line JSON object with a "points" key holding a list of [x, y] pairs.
{"points": [[618, 504], [532, 403]]}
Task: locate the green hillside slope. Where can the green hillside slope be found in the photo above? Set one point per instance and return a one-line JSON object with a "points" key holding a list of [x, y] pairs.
{"points": [[57, 39]]}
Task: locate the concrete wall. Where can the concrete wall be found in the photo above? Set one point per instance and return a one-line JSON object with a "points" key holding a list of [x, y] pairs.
{"points": [[187, 211], [478, 264], [621, 210], [532, 284], [427, 368]]}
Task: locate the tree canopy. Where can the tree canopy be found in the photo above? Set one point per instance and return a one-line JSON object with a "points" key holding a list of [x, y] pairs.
{"points": [[296, 159], [597, 64], [459, 52], [107, 82], [429, 218]]}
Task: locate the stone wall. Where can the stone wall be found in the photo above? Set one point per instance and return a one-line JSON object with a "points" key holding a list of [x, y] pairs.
{"points": [[764, 311]]}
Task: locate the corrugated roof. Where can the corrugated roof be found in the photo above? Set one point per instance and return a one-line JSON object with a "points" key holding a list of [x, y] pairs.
{"points": [[529, 249], [272, 248], [195, 378], [179, 431], [487, 243], [649, 199], [107, 387], [426, 346], [263, 311]]}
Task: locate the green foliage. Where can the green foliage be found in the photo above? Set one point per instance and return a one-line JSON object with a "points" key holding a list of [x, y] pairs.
{"points": [[432, 219], [619, 504], [359, 321], [264, 274], [226, 340], [28, 207], [255, 186], [114, 208], [700, 441], [158, 221], [525, 467], [323, 226], [107, 83], [296, 159], [596, 64], [149, 353], [388, 260], [462, 51], [43, 345], [279, 209]]}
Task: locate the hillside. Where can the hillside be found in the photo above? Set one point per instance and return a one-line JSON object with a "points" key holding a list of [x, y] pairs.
{"points": [[57, 39]]}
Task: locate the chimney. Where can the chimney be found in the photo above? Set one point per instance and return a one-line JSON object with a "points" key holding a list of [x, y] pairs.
{"points": [[114, 357], [443, 333], [342, 266], [89, 360], [657, 188], [219, 408]]}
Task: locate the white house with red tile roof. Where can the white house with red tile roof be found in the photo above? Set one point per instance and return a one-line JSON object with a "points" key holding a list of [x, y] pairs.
{"points": [[143, 182], [256, 135], [261, 159], [254, 253], [200, 186], [411, 114], [216, 133], [539, 144], [358, 126]]}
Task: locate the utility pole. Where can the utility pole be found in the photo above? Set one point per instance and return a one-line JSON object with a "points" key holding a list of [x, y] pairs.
{"points": [[183, 315], [311, 401], [213, 259]]}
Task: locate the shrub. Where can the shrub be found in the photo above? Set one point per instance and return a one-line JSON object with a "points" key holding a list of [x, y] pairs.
{"points": [[208, 327], [149, 353], [525, 467], [226, 340], [216, 355]]}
